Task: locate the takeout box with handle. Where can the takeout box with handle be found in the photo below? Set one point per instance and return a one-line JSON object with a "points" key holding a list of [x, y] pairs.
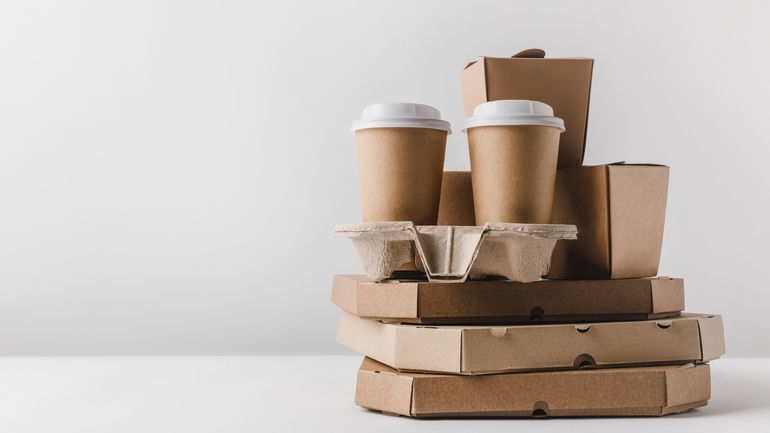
{"points": [[562, 83], [518, 252]]}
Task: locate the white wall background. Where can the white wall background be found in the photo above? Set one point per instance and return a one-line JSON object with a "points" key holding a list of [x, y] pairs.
{"points": [[170, 171]]}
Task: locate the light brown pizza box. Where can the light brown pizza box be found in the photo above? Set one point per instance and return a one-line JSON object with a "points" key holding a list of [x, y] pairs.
{"points": [[485, 301], [488, 349], [639, 391]]}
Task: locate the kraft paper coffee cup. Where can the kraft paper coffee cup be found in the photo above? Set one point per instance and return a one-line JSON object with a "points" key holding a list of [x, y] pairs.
{"points": [[514, 148], [400, 149]]}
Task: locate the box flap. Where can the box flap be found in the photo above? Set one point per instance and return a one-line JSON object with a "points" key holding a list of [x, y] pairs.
{"points": [[381, 389], [529, 53], [364, 297], [632, 164], [712, 336], [428, 348], [423, 348], [637, 206], [667, 294], [345, 293], [369, 337], [473, 82], [688, 383]]}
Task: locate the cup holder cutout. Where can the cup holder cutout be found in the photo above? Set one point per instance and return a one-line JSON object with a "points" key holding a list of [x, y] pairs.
{"points": [[664, 324], [536, 314], [582, 328], [540, 410], [584, 361]]}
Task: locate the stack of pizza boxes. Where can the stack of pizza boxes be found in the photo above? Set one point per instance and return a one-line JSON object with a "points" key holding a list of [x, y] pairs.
{"points": [[526, 287]]}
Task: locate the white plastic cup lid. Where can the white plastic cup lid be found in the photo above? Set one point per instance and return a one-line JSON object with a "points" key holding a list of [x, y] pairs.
{"points": [[401, 115], [513, 112]]}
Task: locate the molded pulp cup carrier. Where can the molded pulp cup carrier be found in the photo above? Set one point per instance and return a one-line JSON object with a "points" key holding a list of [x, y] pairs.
{"points": [[400, 148], [514, 148]]}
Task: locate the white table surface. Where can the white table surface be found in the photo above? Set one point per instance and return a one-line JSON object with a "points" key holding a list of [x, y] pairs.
{"points": [[294, 393]]}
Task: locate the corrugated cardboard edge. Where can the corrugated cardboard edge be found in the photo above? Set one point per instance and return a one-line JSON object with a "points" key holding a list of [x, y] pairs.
{"points": [[712, 337], [687, 385], [368, 337], [588, 109], [345, 293], [383, 391], [403, 347], [365, 298]]}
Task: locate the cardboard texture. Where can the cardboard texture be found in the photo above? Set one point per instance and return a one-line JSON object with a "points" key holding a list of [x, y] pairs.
{"points": [[400, 172], [486, 349], [620, 211], [513, 170], [423, 302], [640, 391], [518, 252], [564, 84], [456, 204]]}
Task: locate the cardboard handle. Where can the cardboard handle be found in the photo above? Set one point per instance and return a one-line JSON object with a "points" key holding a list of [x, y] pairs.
{"points": [[529, 53]]}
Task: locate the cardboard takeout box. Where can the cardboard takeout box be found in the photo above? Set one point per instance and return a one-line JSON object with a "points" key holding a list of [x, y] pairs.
{"points": [[456, 203], [620, 211], [506, 301], [640, 391], [486, 349], [564, 84]]}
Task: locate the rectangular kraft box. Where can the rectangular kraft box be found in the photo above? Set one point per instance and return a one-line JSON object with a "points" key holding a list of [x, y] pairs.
{"points": [[564, 84], [620, 211], [487, 349], [508, 302], [639, 391]]}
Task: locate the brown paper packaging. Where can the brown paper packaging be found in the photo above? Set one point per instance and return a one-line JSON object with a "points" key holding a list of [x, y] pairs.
{"points": [[497, 301], [564, 84], [456, 205], [620, 211], [639, 391], [490, 349]]}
